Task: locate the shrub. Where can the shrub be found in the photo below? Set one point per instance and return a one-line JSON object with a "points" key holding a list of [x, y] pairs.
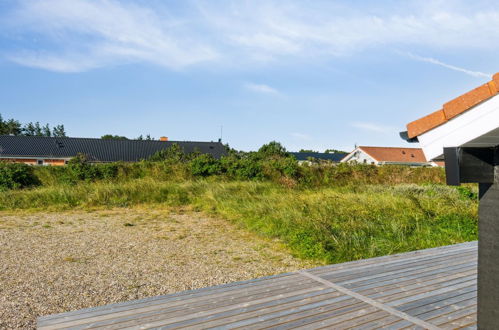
{"points": [[174, 153], [272, 149], [79, 169], [205, 165], [242, 166], [277, 167], [15, 176]]}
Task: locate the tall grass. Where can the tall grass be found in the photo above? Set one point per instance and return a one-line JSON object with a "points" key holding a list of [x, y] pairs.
{"points": [[335, 223]]}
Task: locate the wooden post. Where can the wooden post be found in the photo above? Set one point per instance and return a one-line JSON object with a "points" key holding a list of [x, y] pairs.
{"points": [[482, 165], [488, 256]]}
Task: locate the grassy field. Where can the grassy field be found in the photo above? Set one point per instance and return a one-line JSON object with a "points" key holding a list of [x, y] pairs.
{"points": [[331, 224]]}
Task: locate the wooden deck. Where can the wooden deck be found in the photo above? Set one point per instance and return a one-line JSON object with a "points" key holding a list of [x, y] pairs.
{"points": [[432, 289]]}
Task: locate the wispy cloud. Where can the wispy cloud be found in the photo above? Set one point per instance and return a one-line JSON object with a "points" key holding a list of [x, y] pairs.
{"points": [[449, 66], [373, 127], [79, 35], [261, 88]]}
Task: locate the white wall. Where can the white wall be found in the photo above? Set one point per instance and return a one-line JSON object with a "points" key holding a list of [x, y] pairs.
{"points": [[359, 156]]}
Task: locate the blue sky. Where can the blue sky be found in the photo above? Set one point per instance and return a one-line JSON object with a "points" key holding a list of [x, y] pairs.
{"points": [[314, 75]]}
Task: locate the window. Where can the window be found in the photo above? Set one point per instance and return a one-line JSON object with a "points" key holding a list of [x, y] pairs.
{"points": [[39, 162], [365, 161]]}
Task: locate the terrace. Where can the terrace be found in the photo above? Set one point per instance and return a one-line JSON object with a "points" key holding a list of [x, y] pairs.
{"points": [[429, 289]]}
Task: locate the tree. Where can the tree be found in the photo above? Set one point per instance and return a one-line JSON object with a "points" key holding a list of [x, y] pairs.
{"points": [[29, 129], [38, 129], [113, 137], [46, 130], [59, 131], [14, 127], [174, 153], [10, 127], [273, 148]]}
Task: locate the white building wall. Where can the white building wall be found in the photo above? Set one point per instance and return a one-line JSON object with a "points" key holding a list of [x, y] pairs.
{"points": [[360, 157]]}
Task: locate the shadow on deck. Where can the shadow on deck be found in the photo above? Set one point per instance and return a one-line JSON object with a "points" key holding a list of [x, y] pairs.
{"points": [[426, 289]]}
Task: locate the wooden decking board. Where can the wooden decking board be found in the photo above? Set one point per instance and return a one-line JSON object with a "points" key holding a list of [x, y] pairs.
{"points": [[396, 257], [401, 271], [395, 290], [418, 308], [281, 278], [279, 303], [387, 279], [307, 315], [425, 295], [446, 319], [404, 286], [447, 310], [407, 277], [207, 298], [341, 316], [390, 293], [374, 268], [380, 323], [177, 322], [412, 296], [402, 258], [183, 309], [263, 309], [429, 287]]}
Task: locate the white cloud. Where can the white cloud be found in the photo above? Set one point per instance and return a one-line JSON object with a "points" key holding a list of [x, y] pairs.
{"points": [[79, 35], [87, 34], [449, 66], [373, 127], [261, 88]]}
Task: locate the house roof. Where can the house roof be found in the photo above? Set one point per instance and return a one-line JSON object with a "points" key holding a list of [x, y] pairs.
{"points": [[454, 108], [394, 154], [97, 149], [334, 157]]}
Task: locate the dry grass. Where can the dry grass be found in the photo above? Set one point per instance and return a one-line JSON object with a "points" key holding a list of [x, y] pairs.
{"points": [[56, 262]]}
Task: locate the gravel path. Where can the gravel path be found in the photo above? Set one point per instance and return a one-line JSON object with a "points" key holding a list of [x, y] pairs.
{"points": [[56, 262]]}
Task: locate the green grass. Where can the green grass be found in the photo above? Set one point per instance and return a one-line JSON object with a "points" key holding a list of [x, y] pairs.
{"points": [[334, 224]]}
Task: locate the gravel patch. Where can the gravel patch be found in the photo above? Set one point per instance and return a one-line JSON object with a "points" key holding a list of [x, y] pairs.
{"points": [[57, 262]]}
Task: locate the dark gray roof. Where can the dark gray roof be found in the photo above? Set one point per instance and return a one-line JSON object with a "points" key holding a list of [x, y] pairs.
{"points": [[318, 155], [98, 150]]}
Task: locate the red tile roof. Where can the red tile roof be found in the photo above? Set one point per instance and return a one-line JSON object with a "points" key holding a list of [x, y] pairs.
{"points": [[454, 108], [392, 154]]}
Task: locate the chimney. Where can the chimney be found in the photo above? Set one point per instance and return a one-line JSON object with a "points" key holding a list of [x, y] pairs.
{"points": [[163, 138]]}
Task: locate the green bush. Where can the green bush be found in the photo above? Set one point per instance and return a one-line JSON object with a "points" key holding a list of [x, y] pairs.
{"points": [[15, 176], [242, 166], [205, 165], [174, 153]]}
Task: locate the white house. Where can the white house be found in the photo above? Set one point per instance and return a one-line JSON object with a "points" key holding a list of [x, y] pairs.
{"points": [[388, 156]]}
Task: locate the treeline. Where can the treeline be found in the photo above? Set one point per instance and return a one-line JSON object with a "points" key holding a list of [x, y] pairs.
{"points": [[327, 151], [120, 137], [270, 163], [14, 127]]}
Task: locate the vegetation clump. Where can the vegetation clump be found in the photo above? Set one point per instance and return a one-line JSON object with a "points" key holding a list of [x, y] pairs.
{"points": [[17, 176], [332, 212]]}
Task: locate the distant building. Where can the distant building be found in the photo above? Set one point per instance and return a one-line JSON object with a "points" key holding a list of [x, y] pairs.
{"points": [[37, 150], [388, 156], [308, 156]]}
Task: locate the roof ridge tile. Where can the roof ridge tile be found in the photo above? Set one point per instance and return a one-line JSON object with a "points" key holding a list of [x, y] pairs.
{"points": [[454, 107]]}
